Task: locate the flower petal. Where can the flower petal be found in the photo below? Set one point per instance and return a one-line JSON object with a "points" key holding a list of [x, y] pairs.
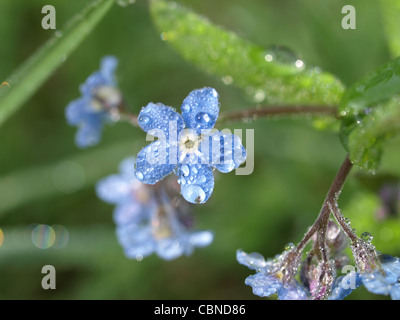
{"points": [[89, 132], [391, 266], [343, 286], [107, 69], [160, 121], [263, 285], [113, 189], [128, 212], [376, 283], [200, 238], [294, 292], [152, 163], [223, 151], [169, 248], [200, 109], [251, 260], [127, 169], [395, 291], [76, 111], [104, 77], [137, 241], [197, 182]]}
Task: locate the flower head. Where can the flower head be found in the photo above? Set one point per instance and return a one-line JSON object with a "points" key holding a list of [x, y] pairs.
{"points": [[187, 145], [269, 278], [147, 219], [386, 282], [99, 99], [317, 281]]}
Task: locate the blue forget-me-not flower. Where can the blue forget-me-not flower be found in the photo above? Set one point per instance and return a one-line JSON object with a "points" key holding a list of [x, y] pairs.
{"points": [[187, 145], [100, 99], [148, 220], [386, 282], [269, 278]]}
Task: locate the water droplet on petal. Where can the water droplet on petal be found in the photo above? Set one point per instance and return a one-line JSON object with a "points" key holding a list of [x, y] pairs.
{"points": [[143, 120], [255, 259], [203, 118], [185, 108], [185, 170], [201, 179], [139, 175], [193, 193]]}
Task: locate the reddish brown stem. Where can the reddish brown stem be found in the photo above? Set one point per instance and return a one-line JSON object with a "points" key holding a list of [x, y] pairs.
{"points": [[278, 111]]}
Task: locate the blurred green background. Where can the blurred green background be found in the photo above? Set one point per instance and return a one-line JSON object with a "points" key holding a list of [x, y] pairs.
{"points": [[45, 179]]}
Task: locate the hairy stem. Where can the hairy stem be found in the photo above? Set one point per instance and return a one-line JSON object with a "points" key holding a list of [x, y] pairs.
{"points": [[280, 111], [321, 223]]}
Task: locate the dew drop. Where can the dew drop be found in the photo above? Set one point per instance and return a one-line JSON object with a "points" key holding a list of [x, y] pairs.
{"points": [[366, 236], [289, 246], [227, 80], [268, 57], [139, 175], [255, 259], [203, 118], [185, 108], [259, 95], [299, 64], [193, 193], [143, 120], [185, 170], [281, 54]]}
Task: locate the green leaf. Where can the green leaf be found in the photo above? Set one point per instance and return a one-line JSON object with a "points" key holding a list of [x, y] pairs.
{"points": [[376, 87], [273, 76], [39, 67], [366, 140], [391, 19], [371, 114]]}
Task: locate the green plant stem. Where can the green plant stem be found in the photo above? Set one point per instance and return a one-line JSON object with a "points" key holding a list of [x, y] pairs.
{"points": [[278, 111]]}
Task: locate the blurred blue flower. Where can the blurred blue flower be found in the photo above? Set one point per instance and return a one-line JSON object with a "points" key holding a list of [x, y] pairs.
{"points": [[386, 283], [99, 98], [147, 219], [269, 279], [187, 145]]}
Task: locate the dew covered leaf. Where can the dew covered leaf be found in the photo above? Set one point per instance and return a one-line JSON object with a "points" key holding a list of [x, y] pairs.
{"points": [[273, 76], [366, 141], [370, 111], [391, 19]]}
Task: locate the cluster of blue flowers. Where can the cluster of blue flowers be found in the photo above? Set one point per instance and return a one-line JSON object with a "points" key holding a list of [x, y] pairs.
{"points": [[151, 218], [269, 279], [147, 219]]}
